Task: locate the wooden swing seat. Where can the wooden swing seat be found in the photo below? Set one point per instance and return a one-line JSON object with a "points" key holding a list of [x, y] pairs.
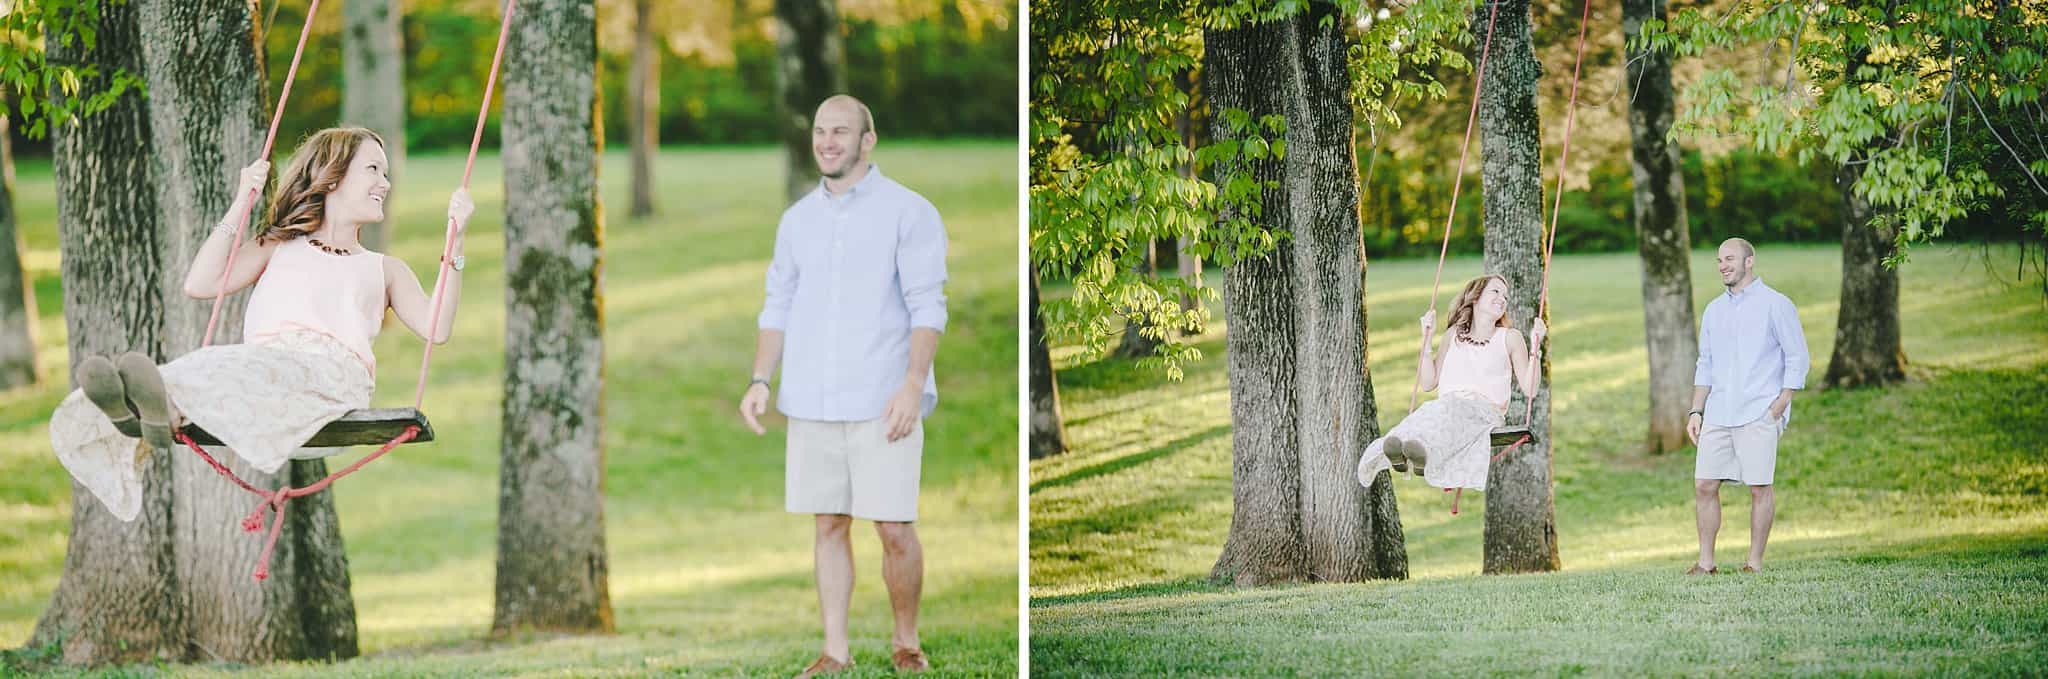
{"points": [[1503, 437], [365, 427]]}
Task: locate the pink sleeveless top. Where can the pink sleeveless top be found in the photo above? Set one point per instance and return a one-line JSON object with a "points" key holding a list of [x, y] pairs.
{"points": [[1479, 370], [304, 288]]}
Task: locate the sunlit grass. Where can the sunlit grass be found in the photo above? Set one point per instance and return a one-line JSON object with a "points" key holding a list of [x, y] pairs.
{"points": [[708, 575], [1951, 464]]}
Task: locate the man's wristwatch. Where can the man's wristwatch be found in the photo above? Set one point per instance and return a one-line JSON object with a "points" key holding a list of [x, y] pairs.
{"points": [[1701, 413], [763, 381]]}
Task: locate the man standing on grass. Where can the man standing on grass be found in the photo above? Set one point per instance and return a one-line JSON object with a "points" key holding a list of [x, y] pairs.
{"points": [[1752, 357], [853, 312]]}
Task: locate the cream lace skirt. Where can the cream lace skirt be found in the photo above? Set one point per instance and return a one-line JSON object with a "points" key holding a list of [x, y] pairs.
{"points": [[263, 400], [1454, 428]]}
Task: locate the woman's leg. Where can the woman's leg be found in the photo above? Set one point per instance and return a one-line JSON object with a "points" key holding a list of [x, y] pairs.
{"points": [[145, 387]]}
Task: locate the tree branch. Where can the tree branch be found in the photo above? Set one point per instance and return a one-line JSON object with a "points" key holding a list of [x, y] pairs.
{"points": [[2029, 172]]}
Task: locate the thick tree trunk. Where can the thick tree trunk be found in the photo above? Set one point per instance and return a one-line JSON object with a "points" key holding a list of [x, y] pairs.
{"points": [[1135, 343], [1868, 351], [643, 86], [17, 297], [207, 105], [118, 599], [1521, 521], [810, 60], [373, 87], [1301, 404], [552, 569], [1048, 429], [1661, 234]]}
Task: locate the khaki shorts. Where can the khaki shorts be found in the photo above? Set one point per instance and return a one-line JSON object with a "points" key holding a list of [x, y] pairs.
{"points": [[1748, 453], [852, 468]]}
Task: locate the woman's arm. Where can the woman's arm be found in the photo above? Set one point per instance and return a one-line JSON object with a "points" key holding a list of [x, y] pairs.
{"points": [[411, 302], [1428, 368], [1526, 358], [202, 279]]}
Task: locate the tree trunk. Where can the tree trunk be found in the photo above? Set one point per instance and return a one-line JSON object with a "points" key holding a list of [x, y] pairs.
{"points": [[207, 104], [810, 62], [373, 88], [1661, 234], [17, 296], [1048, 431], [1521, 521], [1135, 343], [1301, 397], [552, 568], [644, 90], [118, 599], [1868, 351]]}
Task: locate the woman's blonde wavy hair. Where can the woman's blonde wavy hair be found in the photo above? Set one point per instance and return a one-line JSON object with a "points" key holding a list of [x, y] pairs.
{"points": [[299, 204]]}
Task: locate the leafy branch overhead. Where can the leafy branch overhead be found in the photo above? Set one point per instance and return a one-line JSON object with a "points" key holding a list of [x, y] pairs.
{"points": [[1111, 171], [1939, 100], [44, 92]]}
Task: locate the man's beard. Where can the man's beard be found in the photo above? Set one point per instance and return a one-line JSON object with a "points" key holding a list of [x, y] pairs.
{"points": [[845, 167]]}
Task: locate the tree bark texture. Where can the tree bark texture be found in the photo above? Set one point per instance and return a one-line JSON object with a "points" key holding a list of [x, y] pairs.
{"points": [[373, 88], [644, 90], [1521, 519], [17, 297], [810, 58], [1301, 403], [1661, 234], [552, 569], [118, 599], [1048, 429], [208, 109]]}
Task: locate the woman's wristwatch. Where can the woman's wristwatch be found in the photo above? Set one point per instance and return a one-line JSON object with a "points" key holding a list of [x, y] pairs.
{"points": [[456, 262]]}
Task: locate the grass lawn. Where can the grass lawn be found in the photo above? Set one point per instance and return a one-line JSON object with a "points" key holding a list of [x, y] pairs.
{"points": [[1911, 537], [708, 575]]}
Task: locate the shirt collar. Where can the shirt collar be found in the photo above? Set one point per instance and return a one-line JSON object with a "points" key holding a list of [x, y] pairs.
{"points": [[1754, 285], [874, 170]]}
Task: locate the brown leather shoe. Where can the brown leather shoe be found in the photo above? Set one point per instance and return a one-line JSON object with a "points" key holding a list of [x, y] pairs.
{"points": [[910, 660], [825, 665], [1746, 568], [1696, 570]]}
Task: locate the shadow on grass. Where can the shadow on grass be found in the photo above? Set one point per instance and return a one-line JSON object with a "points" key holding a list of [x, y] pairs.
{"points": [[1118, 464]]}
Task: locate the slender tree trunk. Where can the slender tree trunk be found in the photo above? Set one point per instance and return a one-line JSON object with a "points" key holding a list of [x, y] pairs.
{"points": [[810, 61], [17, 296], [1188, 263], [207, 104], [1301, 404], [1661, 234], [1048, 431], [1868, 349], [1521, 521], [118, 599], [1135, 343], [644, 89], [552, 568], [373, 87]]}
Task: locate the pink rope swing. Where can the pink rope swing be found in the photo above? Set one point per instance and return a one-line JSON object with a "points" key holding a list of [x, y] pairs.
{"points": [[1549, 239], [275, 501]]}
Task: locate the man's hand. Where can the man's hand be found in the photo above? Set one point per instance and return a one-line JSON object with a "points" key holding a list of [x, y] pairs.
{"points": [[753, 405], [1692, 428], [904, 410], [1779, 405]]}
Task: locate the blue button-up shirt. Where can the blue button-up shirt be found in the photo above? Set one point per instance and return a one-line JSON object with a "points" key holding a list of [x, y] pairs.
{"points": [[1751, 347], [851, 275]]}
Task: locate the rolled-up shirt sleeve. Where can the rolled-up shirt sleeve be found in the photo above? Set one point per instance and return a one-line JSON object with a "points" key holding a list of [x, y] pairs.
{"points": [[921, 264], [1792, 340], [782, 276], [1703, 370]]}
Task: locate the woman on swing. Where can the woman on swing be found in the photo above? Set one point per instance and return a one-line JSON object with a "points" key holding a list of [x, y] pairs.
{"points": [[318, 303], [1446, 440]]}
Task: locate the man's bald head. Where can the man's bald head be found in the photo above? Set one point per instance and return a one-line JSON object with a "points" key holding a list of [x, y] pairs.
{"points": [[847, 103], [1747, 249]]}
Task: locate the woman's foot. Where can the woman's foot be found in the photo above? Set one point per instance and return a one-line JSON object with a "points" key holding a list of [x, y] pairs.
{"points": [[1418, 456], [101, 382], [145, 387], [1397, 456]]}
